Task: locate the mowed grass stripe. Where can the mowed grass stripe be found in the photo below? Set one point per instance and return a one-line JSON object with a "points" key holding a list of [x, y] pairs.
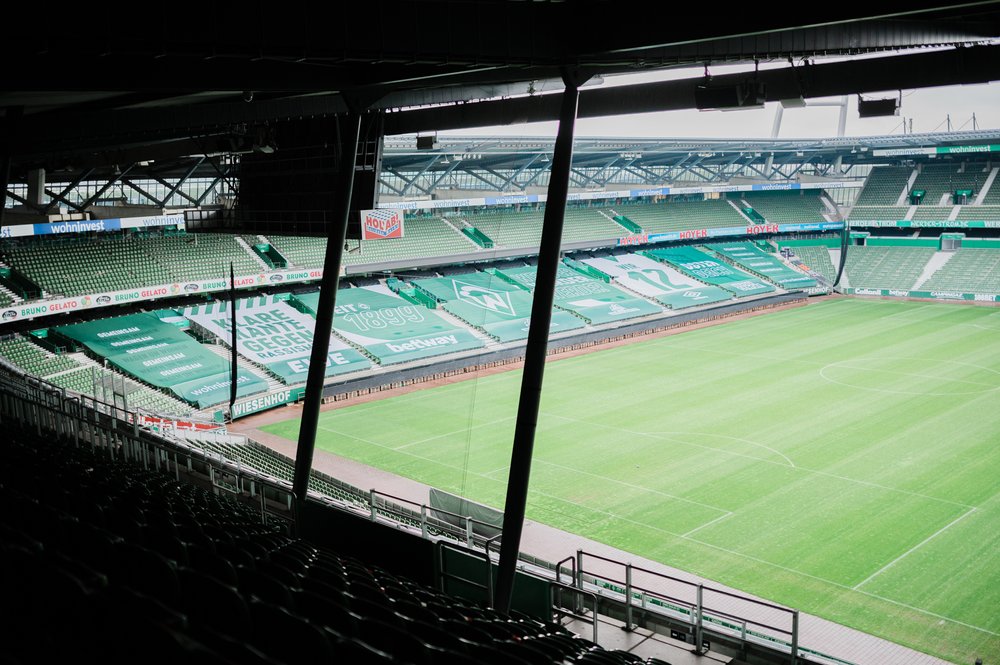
{"points": [[644, 446]]}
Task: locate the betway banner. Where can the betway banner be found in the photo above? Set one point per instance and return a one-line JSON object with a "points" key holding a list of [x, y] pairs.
{"points": [[160, 354], [92, 301], [658, 281], [272, 334], [392, 329]]}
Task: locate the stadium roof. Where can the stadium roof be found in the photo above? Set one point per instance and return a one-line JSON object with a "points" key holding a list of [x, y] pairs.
{"points": [[401, 152], [91, 78]]}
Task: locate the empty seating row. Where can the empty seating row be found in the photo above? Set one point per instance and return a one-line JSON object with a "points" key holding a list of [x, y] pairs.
{"points": [[124, 564], [884, 186], [886, 267], [683, 215], [788, 207], [33, 359], [969, 270]]}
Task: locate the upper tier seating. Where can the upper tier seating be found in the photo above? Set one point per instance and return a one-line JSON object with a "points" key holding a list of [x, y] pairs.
{"points": [[787, 207], [884, 186]]}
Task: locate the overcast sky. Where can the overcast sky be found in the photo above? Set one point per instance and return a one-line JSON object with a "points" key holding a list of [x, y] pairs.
{"points": [[927, 107]]}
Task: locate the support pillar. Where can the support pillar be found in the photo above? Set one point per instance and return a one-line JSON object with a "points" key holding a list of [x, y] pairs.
{"points": [[537, 344], [36, 187], [337, 235]]}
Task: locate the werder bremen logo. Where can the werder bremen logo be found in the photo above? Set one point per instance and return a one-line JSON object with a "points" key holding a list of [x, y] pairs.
{"points": [[484, 298]]}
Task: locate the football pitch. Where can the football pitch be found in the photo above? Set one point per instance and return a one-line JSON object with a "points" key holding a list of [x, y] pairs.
{"points": [[842, 458]]}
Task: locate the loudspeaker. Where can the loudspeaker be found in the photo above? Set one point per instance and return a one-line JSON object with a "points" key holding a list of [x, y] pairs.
{"points": [[426, 142]]}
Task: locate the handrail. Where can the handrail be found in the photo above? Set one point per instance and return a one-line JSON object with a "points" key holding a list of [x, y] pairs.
{"points": [[556, 608]]}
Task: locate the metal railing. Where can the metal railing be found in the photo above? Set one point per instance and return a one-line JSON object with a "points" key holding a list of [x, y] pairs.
{"points": [[706, 610]]}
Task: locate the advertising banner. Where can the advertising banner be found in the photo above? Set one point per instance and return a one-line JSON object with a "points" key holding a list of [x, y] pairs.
{"points": [[58, 306], [392, 329], [656, 280], [589, 298], [752, 258], [274, 335], [710, 270], [161, 355], [381, 224], [269, 401], [492, 304]]}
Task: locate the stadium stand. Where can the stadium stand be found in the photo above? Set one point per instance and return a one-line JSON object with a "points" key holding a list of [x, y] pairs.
{"points": [[492, 304], [78, 265], [932, 213], [161, 355], [390, 329], [817, 259], [133, 564], [196, 256], [682, 215], [33, 359], [301, 251], [710, 270], [423, 237], [6, 298], [751, 258], [102, 384], [273, 336], [938, 180], [970, 270], [992, 196], [787, 207], [886, 267], [979, 213], [508, 228], [884, 186], [656, 280], [867, 213], [594, 300]]}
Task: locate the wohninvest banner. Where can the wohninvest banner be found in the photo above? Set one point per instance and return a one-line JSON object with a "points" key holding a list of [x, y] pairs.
{"points": [[271, 333]]}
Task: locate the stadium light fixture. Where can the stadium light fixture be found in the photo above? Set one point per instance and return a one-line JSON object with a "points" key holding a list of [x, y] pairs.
{"points": [[876, 108]]}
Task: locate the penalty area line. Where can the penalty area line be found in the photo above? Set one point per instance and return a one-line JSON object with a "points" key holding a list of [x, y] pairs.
{"points": [[913, 549]]}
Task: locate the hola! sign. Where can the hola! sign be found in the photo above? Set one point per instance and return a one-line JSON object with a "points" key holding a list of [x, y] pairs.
{"points": [[381, 224]]}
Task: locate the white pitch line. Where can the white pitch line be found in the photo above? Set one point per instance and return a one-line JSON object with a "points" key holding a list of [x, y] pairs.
{"points": [[667, 438], [458, 431], [693, 540], [817, 472], [784, 568], [913, 549], [630, 485], [699, 528]]}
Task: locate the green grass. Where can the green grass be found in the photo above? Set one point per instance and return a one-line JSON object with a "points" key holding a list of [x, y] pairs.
{"points": [[841, 458]]}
